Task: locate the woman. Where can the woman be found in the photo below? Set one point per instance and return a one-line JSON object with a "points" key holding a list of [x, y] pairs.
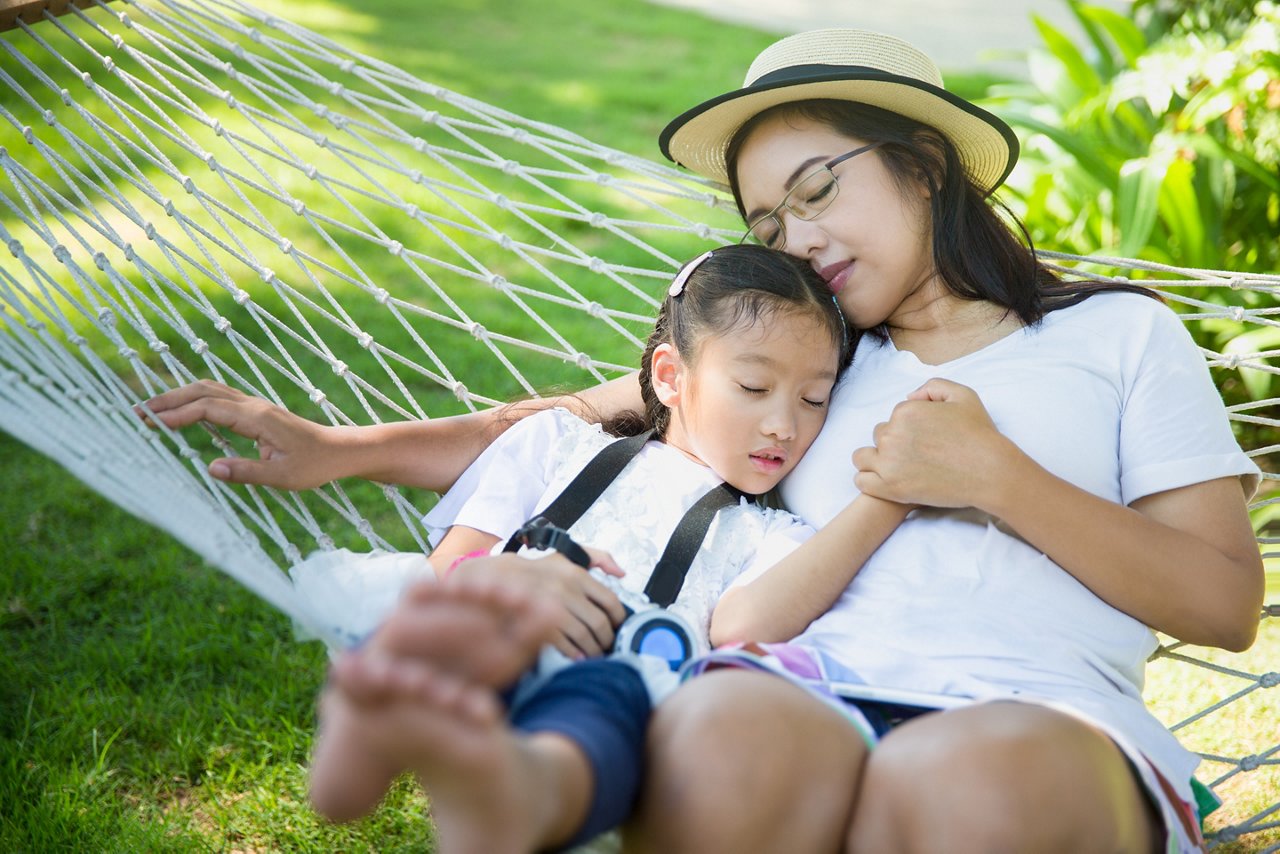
{"points": [[1097, 487]]}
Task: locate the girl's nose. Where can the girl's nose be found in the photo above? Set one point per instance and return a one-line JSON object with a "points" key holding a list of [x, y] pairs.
{"points": [[780, 424]]}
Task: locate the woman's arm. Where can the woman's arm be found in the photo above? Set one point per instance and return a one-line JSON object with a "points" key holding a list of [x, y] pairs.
{"points": [[296, 453], [804, 585], [1184, 561]]}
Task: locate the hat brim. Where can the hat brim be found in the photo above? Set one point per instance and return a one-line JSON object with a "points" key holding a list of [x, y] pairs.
{"points": [[697, 139]]}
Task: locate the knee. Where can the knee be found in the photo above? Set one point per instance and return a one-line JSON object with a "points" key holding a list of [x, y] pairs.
{"points": [[998, 778]]}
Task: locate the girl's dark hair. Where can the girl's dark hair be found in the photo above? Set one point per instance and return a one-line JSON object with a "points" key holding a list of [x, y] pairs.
{"points": [[734, 288], [977, 253]]}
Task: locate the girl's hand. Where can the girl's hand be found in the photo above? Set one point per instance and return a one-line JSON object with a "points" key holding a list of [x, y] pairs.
{"points": [[591, 609], [939, 448], [293, 453]]}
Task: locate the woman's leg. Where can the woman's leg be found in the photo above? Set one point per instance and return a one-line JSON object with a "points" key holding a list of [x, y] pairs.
{"points": [[1001, 777], [745, 761]]}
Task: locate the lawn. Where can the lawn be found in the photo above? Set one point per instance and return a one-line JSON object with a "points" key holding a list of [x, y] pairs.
{"points": [[150, 703]]}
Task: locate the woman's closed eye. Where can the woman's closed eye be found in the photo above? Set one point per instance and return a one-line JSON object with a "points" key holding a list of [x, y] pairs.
{"points": [[752, 389], [816, 404]]}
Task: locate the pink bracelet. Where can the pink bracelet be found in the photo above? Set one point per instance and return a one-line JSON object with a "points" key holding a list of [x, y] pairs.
{"points": [[466, 557]]}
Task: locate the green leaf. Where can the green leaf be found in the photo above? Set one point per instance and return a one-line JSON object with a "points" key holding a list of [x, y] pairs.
{"points": [[1180, 210], [1137, 200], [1081, 74], [1105, 58], [1124, 32], [1251, 343]]}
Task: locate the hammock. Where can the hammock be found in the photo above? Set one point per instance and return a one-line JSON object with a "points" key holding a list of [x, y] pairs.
{"points": [[191, 189]]}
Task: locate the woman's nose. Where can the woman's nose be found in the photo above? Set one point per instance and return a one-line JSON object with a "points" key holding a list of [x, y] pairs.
{"points": [[804, 236]]}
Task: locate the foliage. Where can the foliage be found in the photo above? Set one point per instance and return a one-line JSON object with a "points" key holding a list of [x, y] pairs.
{"points": [[1161, 144]]}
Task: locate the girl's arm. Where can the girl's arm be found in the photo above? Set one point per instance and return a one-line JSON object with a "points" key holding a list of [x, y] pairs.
{"points": [[1184, 561], [296, 453], [804, 585]]}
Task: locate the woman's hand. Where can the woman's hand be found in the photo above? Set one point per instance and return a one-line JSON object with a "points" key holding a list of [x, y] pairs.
{"points": [[293, 453], [591, 610], [939, 448]]}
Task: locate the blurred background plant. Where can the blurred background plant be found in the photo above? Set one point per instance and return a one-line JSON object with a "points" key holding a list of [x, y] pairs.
{"points": [[1159, 138]]}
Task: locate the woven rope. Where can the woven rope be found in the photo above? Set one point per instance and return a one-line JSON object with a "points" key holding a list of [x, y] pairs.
{"points": [[195, 189]]}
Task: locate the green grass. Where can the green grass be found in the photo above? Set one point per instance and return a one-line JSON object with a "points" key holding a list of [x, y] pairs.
{"points": [[147, 702]]}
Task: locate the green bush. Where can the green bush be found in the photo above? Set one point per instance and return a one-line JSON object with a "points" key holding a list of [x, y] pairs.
{"points": [[1160, 140]]}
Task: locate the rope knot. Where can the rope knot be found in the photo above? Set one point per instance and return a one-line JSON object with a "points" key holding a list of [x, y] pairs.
{"points": [[510, 167], [66, 97], [365, 340], [497, 282], [1250, 763], [411, 211], [595, 309], [1269, 680], [200, 346], [582, 360], [478, 331], [316, 395], [62, 253], [1237, 313], [49, 118], [596, 265], [15, 248], [347, 66], [268, 275], [460, 391], [158, 346], [286, 245], [106, 317], [381, 295], [703, 230], [395, 247], [298, 206], [340, 368], [598, 220], [189, 185], [100, 261], [127, 353], [311, 171], [1237, 282], [222, 325], [603, 180]]}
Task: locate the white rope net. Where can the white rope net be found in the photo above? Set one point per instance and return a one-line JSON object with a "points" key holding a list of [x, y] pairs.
{"points": [[195, 189]]}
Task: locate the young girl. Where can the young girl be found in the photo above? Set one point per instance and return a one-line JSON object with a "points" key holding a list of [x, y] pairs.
{"points": [[730, 399]]}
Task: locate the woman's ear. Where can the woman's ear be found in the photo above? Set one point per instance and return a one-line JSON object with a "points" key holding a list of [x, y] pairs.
{"points": [[667, 372]]}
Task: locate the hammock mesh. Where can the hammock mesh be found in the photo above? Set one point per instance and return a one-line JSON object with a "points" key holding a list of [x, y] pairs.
{"points": [[196, 189]]}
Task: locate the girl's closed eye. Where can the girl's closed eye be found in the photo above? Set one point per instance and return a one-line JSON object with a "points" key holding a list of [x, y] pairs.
{"points": [[816, 404], [750, 389]]}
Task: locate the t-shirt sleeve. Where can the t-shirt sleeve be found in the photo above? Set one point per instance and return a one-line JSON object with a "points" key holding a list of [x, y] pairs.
{"points": [[1174, 430], [500, 490], [783, 534]]}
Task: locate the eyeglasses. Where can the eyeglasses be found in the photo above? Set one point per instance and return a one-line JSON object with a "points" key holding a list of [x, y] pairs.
{"points": [[812, 195]]}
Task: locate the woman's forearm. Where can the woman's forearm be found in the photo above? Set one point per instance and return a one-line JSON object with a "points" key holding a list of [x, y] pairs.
{"points": [[779, 604], [432, 454]]}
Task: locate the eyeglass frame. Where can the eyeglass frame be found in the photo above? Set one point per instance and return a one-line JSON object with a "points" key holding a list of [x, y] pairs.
{"points": [[828, 167]]}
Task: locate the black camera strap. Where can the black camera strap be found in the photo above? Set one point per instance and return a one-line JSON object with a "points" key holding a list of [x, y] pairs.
{"points": [[585, 489]]}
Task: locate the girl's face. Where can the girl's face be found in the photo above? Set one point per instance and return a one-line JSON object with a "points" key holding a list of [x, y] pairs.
{"points": [[753, 401], [873, 245]]}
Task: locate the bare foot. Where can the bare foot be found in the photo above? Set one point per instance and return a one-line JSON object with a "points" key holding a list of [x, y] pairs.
{"points": [[478, 633], [493, 790], [484, 631]]}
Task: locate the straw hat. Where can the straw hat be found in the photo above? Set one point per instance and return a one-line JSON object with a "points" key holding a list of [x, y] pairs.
{"points": [[847, 65]]}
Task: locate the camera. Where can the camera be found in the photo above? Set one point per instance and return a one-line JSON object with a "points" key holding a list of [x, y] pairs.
{"points": [[648, 629]]}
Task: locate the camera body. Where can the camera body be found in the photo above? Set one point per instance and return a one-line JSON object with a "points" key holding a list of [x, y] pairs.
{"points": [[648, 629]]}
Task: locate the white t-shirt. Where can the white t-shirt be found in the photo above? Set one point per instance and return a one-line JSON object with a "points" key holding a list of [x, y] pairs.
{"points": [[1112, 395], [522, 472]]}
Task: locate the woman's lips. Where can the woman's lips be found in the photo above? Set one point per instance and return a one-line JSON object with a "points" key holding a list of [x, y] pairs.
{"points": [[836, 275]]}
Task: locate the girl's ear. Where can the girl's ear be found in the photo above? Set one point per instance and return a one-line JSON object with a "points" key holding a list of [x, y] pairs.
{"points": [[667, 373]]}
